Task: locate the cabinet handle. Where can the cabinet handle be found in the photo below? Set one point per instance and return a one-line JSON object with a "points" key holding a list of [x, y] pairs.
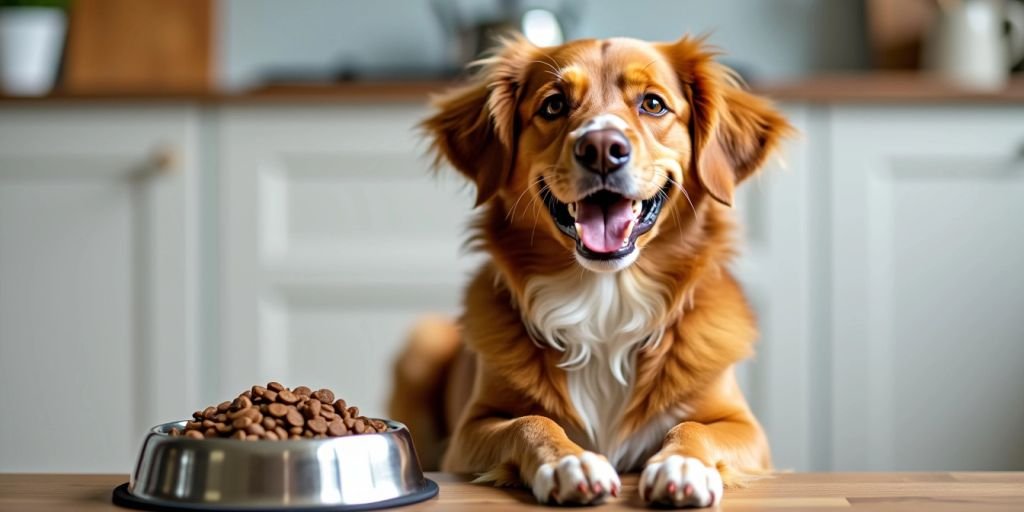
{"points": [[163, 160]]}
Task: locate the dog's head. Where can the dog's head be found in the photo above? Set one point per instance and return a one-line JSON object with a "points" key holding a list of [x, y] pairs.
{"points": [[605, 137]]}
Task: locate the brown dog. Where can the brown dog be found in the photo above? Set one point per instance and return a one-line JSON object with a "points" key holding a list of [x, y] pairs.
{"points": [[602, 334]]}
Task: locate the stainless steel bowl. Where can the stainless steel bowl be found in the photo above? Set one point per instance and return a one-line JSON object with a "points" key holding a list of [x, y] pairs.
{"points": [[352, 472]]}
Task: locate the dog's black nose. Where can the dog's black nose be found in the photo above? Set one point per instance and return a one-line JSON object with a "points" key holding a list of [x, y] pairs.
{"points": [[602, 151]]}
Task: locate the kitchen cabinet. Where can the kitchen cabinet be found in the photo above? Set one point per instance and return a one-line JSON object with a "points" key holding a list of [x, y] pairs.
{"points": [[776, 223], [927, 237], [158, 257], [335, 239], [97, 329]]}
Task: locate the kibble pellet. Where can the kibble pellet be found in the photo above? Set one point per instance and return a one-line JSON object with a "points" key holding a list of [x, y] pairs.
{"points": [[274, 412]]}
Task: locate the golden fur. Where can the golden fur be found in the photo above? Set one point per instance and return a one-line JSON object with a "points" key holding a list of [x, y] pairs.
{"points": [[515, 418]]}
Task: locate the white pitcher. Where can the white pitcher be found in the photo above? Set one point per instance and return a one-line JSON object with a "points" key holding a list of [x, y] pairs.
{"points": [[968, 45], [31, 41]]}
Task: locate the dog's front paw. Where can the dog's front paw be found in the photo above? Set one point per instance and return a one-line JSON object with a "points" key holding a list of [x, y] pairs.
{"points": [[681, 482], [581, 479]]}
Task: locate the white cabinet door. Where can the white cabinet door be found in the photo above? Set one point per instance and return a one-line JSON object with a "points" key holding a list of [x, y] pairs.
{"points": [[776, 221], [95, 330], [335, 238], [928, 292]]}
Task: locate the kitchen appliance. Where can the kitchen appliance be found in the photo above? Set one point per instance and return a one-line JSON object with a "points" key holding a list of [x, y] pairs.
{"points": [[471, 36], [356, 472]]}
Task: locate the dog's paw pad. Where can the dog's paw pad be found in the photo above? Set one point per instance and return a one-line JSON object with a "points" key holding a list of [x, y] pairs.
{"points": [[681, 482], [581, 479]]}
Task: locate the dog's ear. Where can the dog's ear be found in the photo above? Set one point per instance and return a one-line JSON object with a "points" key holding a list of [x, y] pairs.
{"points": [[474, 127], [732, 131]]}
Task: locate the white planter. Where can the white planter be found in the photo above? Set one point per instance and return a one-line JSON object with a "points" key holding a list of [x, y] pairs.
{"points": [[31, 40]]}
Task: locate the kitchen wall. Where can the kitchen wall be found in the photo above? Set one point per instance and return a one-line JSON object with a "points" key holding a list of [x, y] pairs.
{"points": [[768, 40]]}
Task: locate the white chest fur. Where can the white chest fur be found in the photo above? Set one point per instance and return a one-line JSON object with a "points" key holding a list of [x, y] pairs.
{"points": [[598, 320]]}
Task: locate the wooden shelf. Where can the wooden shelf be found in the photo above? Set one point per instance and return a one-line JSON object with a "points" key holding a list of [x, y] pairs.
{"points": [[894, 87], [847, 88], [342, 92]]}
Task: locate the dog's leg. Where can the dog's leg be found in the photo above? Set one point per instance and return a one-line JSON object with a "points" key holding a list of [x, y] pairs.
{"points": [[421, 374], [533, 450], [722, 446]]}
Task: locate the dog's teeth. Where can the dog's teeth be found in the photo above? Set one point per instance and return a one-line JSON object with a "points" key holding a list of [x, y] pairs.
{"points": [[638, 206], [629, 231], [579, 230], [572, 210]]}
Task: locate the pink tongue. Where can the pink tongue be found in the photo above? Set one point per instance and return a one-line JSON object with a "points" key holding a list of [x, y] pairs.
{"points": [[604, 227]]}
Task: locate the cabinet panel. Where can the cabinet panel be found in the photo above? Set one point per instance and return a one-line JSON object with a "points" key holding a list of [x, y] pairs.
{"points": [[928, 347], [356, 333], [774, 213], [336, 238], [96, 330], [65, 332]]}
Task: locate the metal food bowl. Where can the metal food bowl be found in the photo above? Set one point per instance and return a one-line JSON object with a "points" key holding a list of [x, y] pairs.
{"points": [[355, 472]]}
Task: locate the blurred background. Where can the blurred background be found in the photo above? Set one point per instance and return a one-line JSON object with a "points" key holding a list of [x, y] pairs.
{"points": [[200, 195]]}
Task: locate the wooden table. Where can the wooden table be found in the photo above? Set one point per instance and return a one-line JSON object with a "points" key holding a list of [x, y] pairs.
{"points": [[794, 491]]}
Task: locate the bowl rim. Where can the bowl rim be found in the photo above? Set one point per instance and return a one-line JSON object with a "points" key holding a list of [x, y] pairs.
{"points": [[163, 431]]}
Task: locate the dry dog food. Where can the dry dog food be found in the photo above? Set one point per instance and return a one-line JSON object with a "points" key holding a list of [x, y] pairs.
{"points": [[275, 412]]}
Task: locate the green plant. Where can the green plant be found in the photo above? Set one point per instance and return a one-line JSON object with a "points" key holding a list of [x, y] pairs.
{"points": [[56, 4]]}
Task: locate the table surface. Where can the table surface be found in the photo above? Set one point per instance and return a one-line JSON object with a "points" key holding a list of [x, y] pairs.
{"points": [[791, 491]]}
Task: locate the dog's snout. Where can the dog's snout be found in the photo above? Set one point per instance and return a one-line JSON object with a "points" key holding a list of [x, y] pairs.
{"points": [[603, 151]]}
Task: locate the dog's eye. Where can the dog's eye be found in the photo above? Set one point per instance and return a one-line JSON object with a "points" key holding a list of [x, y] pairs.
{"points": [[653, 104], [554, 107]]}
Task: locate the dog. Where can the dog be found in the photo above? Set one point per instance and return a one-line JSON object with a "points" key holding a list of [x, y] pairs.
{"points": [[601, 335]]}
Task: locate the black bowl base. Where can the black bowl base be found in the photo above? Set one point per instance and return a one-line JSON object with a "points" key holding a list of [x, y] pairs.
{"points": [[123, 498]]}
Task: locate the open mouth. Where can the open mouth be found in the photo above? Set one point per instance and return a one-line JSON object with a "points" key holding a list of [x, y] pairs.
{"points": [[605, 224]]}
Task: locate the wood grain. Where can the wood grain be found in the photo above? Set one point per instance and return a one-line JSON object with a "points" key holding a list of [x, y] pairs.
{"points": [[791, 491], [128, 45]]}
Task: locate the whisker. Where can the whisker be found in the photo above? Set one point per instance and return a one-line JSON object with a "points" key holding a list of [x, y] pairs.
{"points": [[687, 196], [512, 211], [554, 66], [535, 212], [679, 186], [664, 174], [552, 70], [675, 216], [546, 187], [534, 199], [533, 230]]}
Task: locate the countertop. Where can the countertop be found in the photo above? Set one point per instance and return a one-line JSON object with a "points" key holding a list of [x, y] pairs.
{"points": [[891, 87], [790, 491]]}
